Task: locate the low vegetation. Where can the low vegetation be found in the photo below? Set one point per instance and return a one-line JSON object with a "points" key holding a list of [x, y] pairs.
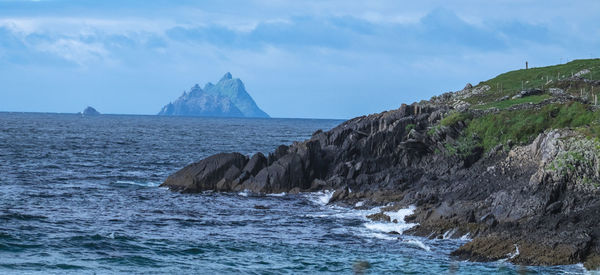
{"points": [[510, 83], [504, 104], [523, 125]]}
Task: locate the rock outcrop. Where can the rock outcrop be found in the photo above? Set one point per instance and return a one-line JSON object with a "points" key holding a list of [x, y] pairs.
{"points": [[534, 203], [227, 98]]}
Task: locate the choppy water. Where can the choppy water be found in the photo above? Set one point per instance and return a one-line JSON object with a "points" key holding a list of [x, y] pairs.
{"points": [[79, 195]]}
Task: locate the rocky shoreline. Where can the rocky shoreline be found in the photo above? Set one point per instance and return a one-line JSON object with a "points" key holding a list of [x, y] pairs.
{"points": [[535, 204]]}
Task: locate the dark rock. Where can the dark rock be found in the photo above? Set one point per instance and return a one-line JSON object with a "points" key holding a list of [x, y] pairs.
{"points": [[490, 220], [205, 174], [554, 207], [400, 158], [471, 217], [256, 163], [379, 217]]}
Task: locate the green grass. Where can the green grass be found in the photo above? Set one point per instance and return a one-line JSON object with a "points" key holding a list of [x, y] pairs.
{"points": [[523, 125], [512, 82], [511, 102], [455, 117]]}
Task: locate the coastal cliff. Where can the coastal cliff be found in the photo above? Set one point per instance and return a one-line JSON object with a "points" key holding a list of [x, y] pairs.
{"points": [[513, 162]]}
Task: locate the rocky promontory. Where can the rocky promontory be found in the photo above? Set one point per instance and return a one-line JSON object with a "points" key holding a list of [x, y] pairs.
{"points": [[517, 171]]}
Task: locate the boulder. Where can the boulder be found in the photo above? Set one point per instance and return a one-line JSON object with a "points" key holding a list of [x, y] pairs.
{"points": [[205, 174], [379, 217]]}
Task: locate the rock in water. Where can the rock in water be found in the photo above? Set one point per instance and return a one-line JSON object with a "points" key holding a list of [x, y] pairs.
{"points": [[227, 98], [208, 173], [90, 111]]}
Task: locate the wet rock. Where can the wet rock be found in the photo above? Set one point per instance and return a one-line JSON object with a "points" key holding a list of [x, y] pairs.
{"points": [[542, 197], [256, 163], [379, 217], [205, 174]]}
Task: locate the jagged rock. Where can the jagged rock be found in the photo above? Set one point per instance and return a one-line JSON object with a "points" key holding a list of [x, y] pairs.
{"points": [[379, 217], [398, 156], [205, 174], [256, 163]]}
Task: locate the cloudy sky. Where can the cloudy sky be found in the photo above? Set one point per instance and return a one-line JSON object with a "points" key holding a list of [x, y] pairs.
{"points": [[317, 59]]}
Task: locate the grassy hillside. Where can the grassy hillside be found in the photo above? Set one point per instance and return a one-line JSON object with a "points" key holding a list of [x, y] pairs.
{"points": [[522, 125], [510, 83]]}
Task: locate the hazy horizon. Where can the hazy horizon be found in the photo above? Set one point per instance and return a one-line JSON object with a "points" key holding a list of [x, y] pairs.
{"points": [[310, 59]]}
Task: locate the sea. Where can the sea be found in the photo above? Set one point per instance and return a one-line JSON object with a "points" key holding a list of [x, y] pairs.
{"points": [[80, 195]]}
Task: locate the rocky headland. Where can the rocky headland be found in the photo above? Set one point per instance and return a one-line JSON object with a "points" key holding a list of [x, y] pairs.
{"points": [[514, 162], [227, 98]]}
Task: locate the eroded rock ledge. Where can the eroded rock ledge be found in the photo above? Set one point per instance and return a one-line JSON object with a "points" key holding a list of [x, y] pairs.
{"points": [[540, 199]]}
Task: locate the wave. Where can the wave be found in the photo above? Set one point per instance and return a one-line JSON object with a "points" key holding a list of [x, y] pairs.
{"points": [[399, 226], [321, 197], [418, 243], [137, 183], [277, 194]]}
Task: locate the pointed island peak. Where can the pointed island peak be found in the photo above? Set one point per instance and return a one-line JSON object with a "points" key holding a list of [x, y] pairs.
{"points": [[227, 76], [227, 98]]}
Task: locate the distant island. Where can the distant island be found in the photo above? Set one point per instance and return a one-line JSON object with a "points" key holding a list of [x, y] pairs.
{"points": [[90, 111], [227, 98]]}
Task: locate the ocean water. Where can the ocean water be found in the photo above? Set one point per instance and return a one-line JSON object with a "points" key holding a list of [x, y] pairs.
{"points": [[80, 195]]}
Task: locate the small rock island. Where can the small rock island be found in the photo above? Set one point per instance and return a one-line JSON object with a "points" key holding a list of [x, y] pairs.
{"points": [[227, 98], [90, 111]]}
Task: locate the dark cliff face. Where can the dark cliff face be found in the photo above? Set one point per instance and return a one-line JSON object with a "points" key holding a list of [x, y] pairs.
{"points": [[227, 98], [505, 201], [532, 196]]}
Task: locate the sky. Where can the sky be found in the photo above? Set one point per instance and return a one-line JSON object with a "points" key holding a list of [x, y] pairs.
{"points": [[305, 59]]}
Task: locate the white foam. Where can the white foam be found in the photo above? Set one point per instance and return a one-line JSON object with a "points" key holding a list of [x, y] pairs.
{"points": [[449, 233], [359, 204], [418, 243], [244, 193], [382, 236], [514, 254], [400, 226], [111, 235], [466, 237], [321, 197], [144, 184], [277, 195]]}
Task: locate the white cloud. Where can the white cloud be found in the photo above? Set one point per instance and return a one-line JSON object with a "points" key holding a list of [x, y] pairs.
{"points": [[76, 51]]}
